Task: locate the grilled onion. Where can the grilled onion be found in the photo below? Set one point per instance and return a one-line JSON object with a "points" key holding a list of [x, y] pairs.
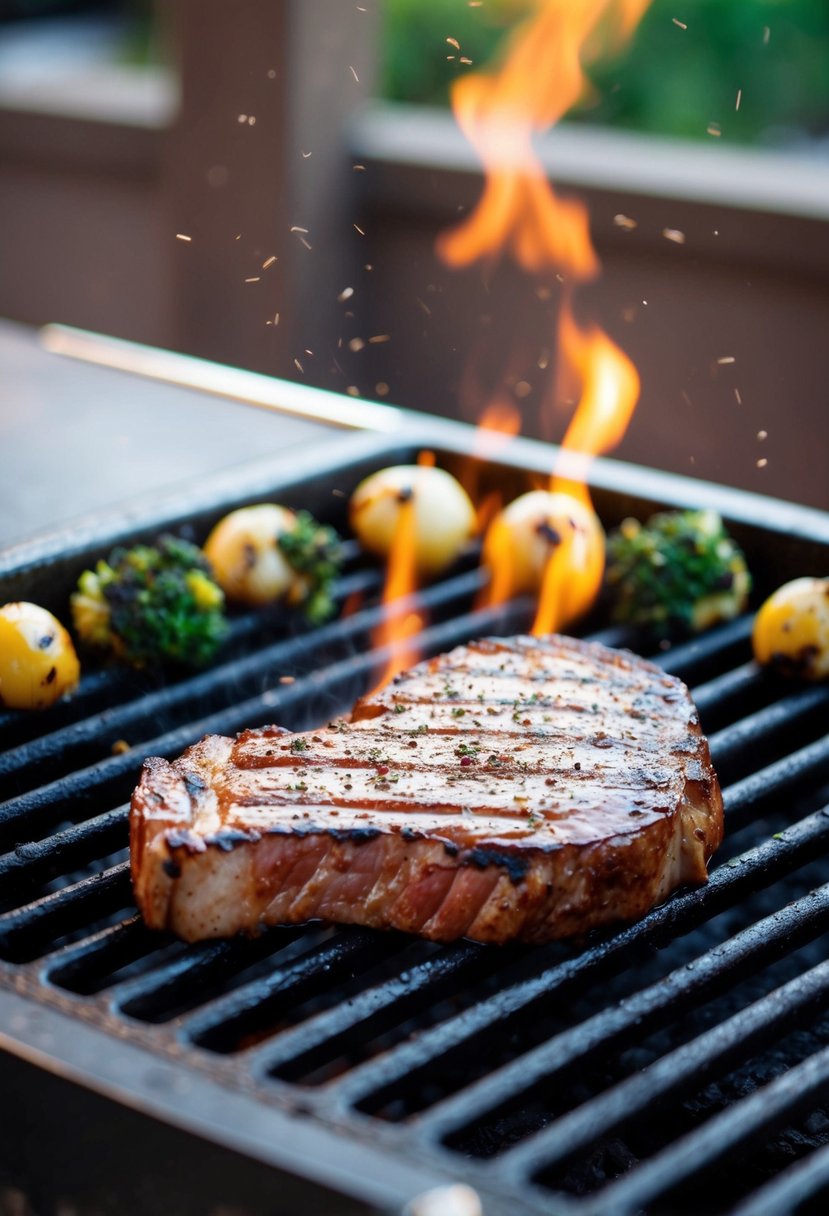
{"points": [[248, 564], [526, 534], [444, 518]]}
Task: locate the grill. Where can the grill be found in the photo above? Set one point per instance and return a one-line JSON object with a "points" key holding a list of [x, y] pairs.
{"points": [[675, 1065]]}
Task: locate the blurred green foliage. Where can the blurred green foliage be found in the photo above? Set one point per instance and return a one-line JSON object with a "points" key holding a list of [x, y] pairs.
{"points": [[668, 80]]}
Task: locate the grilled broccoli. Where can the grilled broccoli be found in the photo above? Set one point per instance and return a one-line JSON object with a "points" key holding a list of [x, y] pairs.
{"points": [[314, 551], [679, 572], [152, 604]]}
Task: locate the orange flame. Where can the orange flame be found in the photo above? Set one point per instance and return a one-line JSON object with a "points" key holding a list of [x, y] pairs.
{"points": [[398, 630], [500, 112], [520, 214], [608, 388], [499, 423]]}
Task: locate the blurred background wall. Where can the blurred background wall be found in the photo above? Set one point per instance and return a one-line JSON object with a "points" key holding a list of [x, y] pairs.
{"points": [[262, 183]]}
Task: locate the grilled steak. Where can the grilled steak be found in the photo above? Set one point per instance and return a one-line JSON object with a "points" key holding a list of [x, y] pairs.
{"points": [[513, 789]]}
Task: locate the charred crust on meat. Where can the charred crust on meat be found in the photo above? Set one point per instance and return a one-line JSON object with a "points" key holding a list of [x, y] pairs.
{"points": [[194, 784], [227, 839], [353, 835], [182, 838], [483, 858]]}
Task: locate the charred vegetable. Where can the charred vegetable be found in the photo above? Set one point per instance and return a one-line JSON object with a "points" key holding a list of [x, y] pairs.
{"points": [[38, 663], [444, 518], [530, 531], [265, 553], [791, 630], [680, 571], [152, 604]]}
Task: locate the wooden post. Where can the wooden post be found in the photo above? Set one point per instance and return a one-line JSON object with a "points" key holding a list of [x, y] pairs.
{"points": [[259, 179]]}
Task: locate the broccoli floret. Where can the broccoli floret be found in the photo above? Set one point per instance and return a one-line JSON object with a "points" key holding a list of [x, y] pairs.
{"points": [[152, 604], [314, 551], [679, 572]]}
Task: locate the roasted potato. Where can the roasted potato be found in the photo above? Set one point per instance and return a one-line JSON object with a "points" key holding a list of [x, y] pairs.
{"points": [[791, 630], [38, 663]]}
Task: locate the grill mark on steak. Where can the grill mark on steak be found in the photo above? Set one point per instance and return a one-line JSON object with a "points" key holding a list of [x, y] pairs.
{"points": [[522, 788]]}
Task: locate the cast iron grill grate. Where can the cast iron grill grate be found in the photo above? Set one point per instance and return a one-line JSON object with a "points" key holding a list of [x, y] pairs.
{"points": [[681, 1062]]}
